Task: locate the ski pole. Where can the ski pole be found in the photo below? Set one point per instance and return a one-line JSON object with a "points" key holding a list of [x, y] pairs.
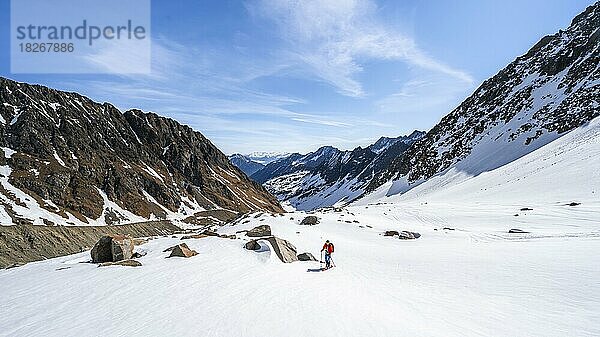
{"points": [[321, 261]]}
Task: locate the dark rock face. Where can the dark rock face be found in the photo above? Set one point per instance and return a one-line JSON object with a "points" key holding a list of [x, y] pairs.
{"points": [[262, 230], [390, 233], [79, 155], [182, 250], [310, 220], [306, 181], [112, 248], [306, 257], [544, 93]]}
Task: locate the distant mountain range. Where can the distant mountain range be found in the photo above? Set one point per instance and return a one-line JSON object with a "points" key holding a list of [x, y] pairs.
{"points": [[328, 175], [253, 162]]}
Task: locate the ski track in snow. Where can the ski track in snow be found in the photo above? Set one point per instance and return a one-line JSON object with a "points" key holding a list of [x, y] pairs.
{"points": [[477, 280]]}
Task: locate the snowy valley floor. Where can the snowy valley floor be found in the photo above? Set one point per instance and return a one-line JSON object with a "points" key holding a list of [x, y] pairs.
{"points": [[476, 280]]}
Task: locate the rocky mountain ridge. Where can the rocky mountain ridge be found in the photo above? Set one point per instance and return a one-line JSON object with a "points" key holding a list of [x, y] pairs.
{"points": [[548, 91], [69, 160]]}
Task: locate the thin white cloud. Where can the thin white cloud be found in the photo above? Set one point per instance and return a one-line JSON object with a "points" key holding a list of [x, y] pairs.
{"points": [[213, 89], [331, 36], [314, 120]]}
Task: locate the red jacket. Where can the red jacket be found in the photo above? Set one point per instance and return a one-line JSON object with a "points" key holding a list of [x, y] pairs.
{"points": [[328, 247]]}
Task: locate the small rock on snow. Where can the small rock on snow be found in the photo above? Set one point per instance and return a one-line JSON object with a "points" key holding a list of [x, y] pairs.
{"points": [[182, 250], [517, 231]]}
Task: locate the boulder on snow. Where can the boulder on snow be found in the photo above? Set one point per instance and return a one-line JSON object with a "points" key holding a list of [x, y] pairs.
{"points": [[310, 220], [259, 231], [112, 248], [403, 235], [526, 209], [252, 245], [285, 251], [517, 231], [406, 235], [126, 263], [574, 204], [182, 250], [306, 257]]}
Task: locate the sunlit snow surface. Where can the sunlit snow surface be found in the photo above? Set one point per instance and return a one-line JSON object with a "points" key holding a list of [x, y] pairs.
{"points": [[475, 280]]}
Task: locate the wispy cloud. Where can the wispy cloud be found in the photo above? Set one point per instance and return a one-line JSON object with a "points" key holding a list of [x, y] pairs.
{"points": [[329, 37], [248, 98]]}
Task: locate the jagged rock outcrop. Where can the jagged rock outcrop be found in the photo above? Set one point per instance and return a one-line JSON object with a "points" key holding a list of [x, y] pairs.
{"points": [[69, 160]]}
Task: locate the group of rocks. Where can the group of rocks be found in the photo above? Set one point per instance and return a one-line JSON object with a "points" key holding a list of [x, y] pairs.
{"points": [[403, 235], [284, 250], [112, 250], [119, 249]]}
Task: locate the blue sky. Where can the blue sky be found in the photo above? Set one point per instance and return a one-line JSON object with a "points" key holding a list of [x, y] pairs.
{"points": [[266, 75]]}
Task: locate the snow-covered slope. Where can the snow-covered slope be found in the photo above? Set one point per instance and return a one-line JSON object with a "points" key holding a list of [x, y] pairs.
{"points": [[465, 276], [564, 171], [471, 279]]}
